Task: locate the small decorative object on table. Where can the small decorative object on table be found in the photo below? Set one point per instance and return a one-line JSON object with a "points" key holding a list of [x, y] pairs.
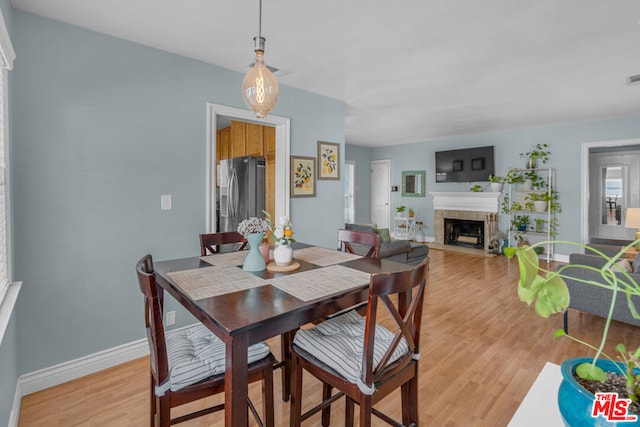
{"points": [[253, 230], [282, 235]]}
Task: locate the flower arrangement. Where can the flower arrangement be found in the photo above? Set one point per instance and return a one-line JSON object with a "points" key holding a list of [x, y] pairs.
{"points": [[254, 225], [283, 233]]}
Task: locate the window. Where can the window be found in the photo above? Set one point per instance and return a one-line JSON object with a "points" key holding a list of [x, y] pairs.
{"points": [[349, 192]]}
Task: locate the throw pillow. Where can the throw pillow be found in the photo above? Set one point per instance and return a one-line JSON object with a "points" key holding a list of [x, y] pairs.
{"points": [[622, 265], [384, 234], [636, 264]]}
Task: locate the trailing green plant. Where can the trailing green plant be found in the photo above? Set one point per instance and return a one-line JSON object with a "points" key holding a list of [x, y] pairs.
{"points": [[537, 152], [520, 220], [547, 291], [476, 189], [496, 179], [539, 224]]}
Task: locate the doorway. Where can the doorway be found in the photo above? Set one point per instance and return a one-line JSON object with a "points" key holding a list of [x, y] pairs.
{"points": [[282, 151], [380, 192], [610, 185]]}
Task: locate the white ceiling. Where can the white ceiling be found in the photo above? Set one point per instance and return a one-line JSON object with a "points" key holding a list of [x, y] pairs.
{"points": [[410, 70]]}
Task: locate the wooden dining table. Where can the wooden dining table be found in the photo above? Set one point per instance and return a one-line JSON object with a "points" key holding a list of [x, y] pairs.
{"points": [[243, 308]]}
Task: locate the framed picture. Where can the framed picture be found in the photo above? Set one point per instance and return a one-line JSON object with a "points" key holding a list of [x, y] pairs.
{"points": [[303, 179], [328, 160], [413, 183], [477, 164]]}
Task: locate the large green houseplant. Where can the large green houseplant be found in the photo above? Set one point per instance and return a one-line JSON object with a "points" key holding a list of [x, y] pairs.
{"points": [[548, 292]]}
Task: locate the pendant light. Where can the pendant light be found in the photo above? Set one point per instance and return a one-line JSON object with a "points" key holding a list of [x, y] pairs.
{"points": [[260, 87]]}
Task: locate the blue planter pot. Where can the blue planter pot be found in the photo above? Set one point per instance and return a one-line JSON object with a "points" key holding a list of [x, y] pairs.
{"points": [[254, 260], [576, 403]]}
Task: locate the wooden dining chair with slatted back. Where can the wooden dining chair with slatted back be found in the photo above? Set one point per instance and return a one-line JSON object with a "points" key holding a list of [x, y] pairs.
{"points": [[347, 238], [189, 364], [360, 358], [211, 242]]}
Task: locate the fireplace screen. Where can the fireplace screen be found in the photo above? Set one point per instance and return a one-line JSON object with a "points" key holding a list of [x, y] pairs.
{"points": [[461, 232]]}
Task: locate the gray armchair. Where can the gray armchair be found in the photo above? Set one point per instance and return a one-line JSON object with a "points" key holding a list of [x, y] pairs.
{"points": [[592, 299]]}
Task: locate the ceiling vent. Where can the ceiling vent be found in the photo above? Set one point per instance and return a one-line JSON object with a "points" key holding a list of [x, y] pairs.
{"points": [[633, 80]]}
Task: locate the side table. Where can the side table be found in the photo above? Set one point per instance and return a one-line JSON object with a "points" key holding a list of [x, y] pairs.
{"points": [[404, 227]]}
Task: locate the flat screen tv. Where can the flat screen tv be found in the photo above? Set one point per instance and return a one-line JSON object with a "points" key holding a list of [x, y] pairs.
{"points": [[464, 165]]}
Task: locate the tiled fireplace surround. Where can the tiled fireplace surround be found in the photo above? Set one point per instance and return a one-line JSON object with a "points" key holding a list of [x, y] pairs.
{"points": [[466, 206]]}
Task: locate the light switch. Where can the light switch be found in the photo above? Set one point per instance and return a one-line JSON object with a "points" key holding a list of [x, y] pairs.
{"points": [[165, 202]]}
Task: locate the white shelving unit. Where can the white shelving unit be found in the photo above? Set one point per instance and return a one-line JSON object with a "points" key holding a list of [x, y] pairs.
{"points": [[518, 195], [404, 227]]}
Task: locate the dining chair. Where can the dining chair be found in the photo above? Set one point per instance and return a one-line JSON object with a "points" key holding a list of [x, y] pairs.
{"points": [[348, 237], [212, 241], [363, 360], [189, 364]]}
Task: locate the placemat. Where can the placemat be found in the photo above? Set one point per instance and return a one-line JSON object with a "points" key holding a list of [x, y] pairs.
{"points": [[323, 256], [226, 259], [321, 282], [209, 282]]}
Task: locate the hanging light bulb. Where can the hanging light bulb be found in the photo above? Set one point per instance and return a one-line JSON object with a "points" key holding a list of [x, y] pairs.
{"points": [[260, 87]]}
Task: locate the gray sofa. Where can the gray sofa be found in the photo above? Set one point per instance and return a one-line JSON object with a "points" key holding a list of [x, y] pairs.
{"points": [[609, 247], [595, 300], [402, 251]]}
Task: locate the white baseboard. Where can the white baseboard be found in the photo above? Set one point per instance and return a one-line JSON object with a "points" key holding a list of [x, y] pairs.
{"points": [[73, 369]]}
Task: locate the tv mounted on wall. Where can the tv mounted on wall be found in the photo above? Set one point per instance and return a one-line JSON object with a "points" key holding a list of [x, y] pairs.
{"points": [[464, 165]]}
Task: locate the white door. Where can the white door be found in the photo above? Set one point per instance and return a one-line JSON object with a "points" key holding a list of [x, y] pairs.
{"points": [[380, 192]]}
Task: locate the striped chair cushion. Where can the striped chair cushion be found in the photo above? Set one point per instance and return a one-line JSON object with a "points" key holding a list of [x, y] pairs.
{"points": [[195, 354], [339, 343]]}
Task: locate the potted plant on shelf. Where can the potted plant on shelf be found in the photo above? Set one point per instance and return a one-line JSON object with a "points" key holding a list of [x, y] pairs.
{"points": [[537, 202], [476, 188], [549, 293], [521, 223], [539, 228], [495, 182], [411, 212], [400, 210], [539, 152]]}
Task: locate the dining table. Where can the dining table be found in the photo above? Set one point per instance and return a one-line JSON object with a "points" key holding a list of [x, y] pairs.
{"points": [[244, 307]]}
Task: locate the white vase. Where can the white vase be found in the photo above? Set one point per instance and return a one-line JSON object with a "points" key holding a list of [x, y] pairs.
{"points": [[496, 187], [283, 255]]}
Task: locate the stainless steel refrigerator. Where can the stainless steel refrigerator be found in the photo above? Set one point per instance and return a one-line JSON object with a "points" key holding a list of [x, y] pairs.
{"points": [[242, 188]]}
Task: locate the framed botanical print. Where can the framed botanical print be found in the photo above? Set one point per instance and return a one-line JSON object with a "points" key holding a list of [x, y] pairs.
{"points": [[328, 160], [303, 179]]}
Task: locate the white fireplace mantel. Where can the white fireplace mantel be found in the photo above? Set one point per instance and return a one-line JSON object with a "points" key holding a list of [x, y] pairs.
{"points": [[466, 201]]}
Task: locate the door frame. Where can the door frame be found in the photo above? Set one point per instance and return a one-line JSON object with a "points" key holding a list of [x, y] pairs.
{"points": [[584, 179], [283, 149]]}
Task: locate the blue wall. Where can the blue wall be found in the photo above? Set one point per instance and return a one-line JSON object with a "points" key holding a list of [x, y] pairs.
{"points": [[101, 128], [564, 141]]}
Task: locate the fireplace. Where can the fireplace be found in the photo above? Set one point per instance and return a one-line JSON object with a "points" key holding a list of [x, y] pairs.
{"points": [[462, 232], [465, 219]]}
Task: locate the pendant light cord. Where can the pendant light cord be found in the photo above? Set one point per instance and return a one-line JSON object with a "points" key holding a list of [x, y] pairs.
{"points": [[260, 20]]}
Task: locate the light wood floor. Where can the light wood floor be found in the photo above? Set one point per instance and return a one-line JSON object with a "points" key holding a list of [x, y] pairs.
{"points": [[481, 351]]}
